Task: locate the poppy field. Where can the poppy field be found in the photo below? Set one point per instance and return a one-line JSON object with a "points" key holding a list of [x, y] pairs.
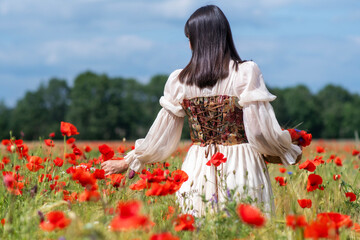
{"points": [[57, 190]]}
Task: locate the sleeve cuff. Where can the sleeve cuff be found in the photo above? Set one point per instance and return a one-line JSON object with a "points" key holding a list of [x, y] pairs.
{"points": [[133, 162], [289, 157]]}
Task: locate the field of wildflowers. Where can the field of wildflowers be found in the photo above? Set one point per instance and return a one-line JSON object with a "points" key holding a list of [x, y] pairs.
{"points": [[57, 190]]}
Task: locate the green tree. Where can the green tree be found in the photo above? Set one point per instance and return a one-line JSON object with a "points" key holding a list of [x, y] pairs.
{"points": [[41, 111], [5, 114], [295, 107], [88, 105], [331, 100]]}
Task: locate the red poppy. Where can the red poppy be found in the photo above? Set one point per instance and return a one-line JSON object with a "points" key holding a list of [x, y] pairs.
{"points": [[281, 181], [51, 135], [140, 185], [3, 221], [356, 228], [327, 225], [69, 197], [163, 236], [339, 219], [305, 203], [16, 167], [128, 217], [91, 195], [158, 189], [216, 159], [9, 180], [336, 177], [338, 162], [115, 180], [5, 142], [34, 164], [320, 149], [294, 221], [5, 160], [282, 170], [351, 196], [251, 215], [308, 165], [171, 211], [313, 182], [77, 151], [321, 228], [70, 140], [99, 174], [307, 137], [58, 162], [301, 136], [106, 151], [67, 129], [332, 157], [85, 178], [87, 149], [184, 222], [55, 220], [158, 175], [355, 152], [318, 160], [49, 142], [57, 186], [178, 177]]}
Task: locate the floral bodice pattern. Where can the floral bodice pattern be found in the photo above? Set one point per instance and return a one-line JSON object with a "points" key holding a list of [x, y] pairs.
{"points": [[215, 119]]}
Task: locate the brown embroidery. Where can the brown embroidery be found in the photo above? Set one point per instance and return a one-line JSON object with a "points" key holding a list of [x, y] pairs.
{"points": [[215, 120]]}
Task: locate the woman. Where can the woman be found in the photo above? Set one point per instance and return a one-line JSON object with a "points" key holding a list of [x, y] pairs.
{"points": [[229, 112]]}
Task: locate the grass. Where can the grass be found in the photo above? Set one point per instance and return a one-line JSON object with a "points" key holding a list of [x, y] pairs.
{"points": [[89, 220]]}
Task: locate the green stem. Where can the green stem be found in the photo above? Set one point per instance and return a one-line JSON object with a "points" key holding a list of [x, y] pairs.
{"points": [[64, 147]]}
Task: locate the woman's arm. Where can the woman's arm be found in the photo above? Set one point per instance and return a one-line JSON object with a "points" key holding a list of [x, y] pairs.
{"points": [[262, 128], [160, 142], [164, 135]]}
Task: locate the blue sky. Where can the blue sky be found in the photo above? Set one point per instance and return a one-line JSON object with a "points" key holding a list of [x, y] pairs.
{"points": [[311, 42]]}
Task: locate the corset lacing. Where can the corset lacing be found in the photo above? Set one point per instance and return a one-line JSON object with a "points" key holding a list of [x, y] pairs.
{"points": [[213, 121]]}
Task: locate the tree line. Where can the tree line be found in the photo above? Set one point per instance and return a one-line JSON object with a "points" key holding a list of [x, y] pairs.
{"points": [[105, 108]]}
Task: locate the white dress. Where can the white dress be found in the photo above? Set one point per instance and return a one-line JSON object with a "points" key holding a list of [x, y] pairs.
{"points": [[244, 169]]}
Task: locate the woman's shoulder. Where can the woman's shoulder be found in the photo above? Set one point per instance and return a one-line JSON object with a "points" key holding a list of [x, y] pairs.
{"points": [[246, 65], [173, 85], [246, 71]]}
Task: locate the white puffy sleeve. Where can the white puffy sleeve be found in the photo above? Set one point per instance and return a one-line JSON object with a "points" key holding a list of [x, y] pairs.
{"points": [[164, 135], [261, 126]]}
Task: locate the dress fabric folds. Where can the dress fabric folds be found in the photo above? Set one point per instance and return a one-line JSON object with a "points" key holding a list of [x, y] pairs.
{"points": [[245, 172]]}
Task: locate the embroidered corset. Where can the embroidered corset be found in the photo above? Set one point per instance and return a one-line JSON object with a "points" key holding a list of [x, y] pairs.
{"points": [[215, 120]]}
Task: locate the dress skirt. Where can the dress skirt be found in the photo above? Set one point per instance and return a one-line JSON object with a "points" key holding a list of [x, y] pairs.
{"points": [[244, 171]]}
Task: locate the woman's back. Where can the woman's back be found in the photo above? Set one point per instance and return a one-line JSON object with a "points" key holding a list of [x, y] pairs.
{"points": [[214, 84]]}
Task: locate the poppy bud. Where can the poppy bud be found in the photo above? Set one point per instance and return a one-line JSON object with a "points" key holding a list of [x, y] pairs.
{"points": [[13, 148], [41, 215]]}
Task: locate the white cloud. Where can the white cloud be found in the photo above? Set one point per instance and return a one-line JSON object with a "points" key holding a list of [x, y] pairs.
{"points": [[98, 47], [174, 8]]}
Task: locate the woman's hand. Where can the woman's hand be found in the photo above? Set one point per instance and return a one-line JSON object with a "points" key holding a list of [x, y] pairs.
{"points": [[114, 166]]}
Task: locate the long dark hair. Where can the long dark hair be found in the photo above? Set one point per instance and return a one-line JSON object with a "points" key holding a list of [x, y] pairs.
{"points": [[212, 46]]}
